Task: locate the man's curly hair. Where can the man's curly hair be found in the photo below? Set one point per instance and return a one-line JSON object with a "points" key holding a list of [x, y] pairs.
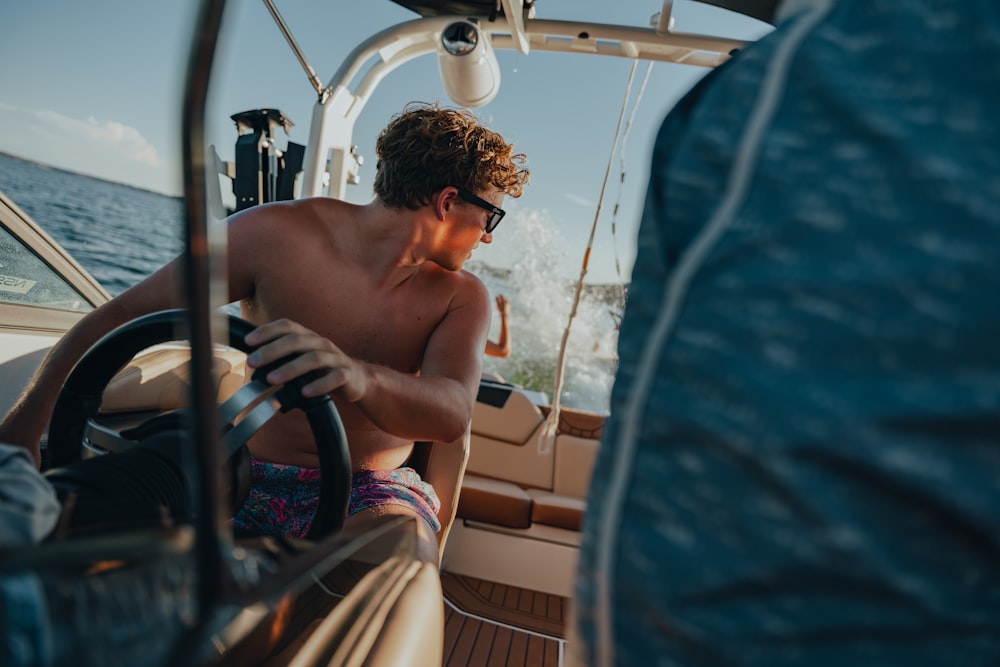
{"points": [[426, 148]]}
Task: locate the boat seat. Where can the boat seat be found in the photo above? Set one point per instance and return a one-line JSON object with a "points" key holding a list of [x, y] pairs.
{"points": [[553, 509], [158, 379], [442, 465], [506, 504], [495, 501], [564, 505], [504, 413], [516, 504]]}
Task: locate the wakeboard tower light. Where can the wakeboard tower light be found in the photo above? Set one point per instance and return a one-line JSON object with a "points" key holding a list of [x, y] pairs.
{"points": [[469, 69]]}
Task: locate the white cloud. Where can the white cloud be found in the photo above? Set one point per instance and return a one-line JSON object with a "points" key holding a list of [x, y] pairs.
{"points": [[110, 150], [108, 135]]}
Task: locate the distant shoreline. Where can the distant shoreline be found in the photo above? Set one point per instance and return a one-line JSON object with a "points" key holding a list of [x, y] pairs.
{"points": [[44, 165]]}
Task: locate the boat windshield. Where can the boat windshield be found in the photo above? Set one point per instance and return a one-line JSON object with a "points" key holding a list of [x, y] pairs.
{"points": [[25, 279]]}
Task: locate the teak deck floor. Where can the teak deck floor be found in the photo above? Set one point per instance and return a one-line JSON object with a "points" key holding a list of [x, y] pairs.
{"points": [[489, 624]]}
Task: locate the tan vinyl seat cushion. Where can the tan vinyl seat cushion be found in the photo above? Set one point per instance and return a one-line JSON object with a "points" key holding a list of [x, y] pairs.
{"points": [[574, 464], [556, 510], [515, 422], [158, 379], [494, 501]]}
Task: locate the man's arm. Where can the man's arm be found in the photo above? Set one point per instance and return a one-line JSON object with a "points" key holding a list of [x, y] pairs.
{"points": [[436, 405], [26, 421]]}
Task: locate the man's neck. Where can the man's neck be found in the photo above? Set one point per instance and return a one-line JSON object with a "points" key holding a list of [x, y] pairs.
{"points": [[389, 241]]}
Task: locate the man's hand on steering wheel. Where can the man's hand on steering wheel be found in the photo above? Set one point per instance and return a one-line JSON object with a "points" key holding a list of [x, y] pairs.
{"points": [[75, 416], [332, 370]]}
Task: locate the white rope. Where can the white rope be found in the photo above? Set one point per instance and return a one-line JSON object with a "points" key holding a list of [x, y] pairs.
{"points": [[547, 439], [323, 587], [621, 182]]}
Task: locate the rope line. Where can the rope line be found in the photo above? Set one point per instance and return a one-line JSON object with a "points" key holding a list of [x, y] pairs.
{"points": [[621, 183], [546, 441]]}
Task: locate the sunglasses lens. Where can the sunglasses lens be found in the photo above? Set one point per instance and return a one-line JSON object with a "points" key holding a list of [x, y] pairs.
{"points": [[494, 221]]}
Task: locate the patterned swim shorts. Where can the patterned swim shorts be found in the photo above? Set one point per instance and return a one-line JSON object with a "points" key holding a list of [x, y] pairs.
{"points": [[283, 498]]}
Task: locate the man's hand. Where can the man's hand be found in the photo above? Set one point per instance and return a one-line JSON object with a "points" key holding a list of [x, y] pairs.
{"points": [[336, 371]]}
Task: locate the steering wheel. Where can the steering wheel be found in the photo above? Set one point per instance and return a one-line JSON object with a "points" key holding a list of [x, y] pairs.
{"points": [[74, 419]]}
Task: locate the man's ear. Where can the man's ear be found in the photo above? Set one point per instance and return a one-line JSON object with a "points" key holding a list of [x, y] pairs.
{"points": [[444, 200]]}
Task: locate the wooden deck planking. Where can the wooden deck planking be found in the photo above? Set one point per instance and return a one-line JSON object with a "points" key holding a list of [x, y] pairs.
{"points": [[461, 648], [517, 653], [501, 648], [491, 614], [537, 612], [484, 644]]}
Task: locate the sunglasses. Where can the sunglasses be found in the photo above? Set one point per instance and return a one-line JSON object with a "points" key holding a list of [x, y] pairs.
{"points": [[496, 214]]}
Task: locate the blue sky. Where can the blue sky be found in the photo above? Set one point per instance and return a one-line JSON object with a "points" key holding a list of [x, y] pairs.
{"points": [[95, 88]]}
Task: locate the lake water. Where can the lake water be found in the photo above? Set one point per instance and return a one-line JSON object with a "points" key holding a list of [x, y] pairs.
{"points": [[121, 234]]}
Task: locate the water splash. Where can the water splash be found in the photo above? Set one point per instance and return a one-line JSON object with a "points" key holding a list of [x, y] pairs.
{"points": [[541, 298]]}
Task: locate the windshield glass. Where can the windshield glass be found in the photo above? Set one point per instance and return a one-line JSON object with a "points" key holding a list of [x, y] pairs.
{"points": [[26, 280]]}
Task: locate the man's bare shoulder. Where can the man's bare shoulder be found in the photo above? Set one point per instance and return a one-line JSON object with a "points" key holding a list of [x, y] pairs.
{"points": [[300, 211], [471, 281], [290, 223], [464, 286], [321, 206]]}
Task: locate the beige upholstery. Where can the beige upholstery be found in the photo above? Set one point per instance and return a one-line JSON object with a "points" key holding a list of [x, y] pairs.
{"points": [[495, 501], [158, 379], [523, 465], [442, 465], [506, 427], [515, 421], [516, 485], [413, 630], [553, 509], [574, 462], [393, 617], [445, 472]]}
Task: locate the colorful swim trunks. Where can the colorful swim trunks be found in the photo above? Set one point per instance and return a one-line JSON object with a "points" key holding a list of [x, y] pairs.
{"points": [[283, 498]]}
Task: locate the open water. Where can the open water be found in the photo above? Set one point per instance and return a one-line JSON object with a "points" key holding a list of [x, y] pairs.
{"points": [[121, 234]]}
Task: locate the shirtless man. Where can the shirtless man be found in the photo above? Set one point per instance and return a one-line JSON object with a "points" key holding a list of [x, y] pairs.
{"points": [[373, 296]]}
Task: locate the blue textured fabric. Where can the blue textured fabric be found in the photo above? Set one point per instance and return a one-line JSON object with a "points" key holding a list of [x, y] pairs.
{"points": [[29, 509], [27, 633], [814, 477]]}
